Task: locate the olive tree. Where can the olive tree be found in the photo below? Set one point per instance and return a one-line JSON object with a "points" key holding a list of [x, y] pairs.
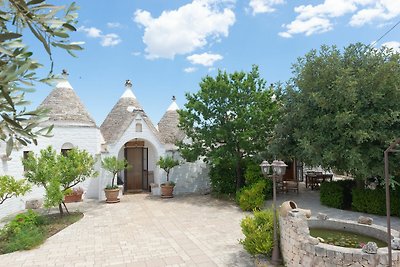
{"points": [[50, 25], [342, 109]]}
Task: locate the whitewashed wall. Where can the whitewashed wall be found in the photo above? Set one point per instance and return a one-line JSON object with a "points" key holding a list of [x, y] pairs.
{"points": [[87, 138], [117, 149]]}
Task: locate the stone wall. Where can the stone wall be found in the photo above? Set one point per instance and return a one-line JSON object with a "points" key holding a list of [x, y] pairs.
{"points": [[88, 138], [300, 249]]}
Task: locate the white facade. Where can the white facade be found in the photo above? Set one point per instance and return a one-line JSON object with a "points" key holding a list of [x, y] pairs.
{"points": [[87, 138], [190, 177]]}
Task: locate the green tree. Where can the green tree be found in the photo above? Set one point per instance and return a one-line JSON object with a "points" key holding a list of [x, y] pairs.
{"points": [[342, 109], [114, 165], [231, 117], [75, 167], [58, 173], [167, 163], [9, 187], [49, 24]]}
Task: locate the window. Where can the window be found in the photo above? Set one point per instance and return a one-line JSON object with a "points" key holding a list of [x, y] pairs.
{"points": [[64, 151], [65, 148], [138, 127]]}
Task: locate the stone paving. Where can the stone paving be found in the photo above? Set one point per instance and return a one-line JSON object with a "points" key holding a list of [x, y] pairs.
{"points": [[143, 230], [309, 199]]}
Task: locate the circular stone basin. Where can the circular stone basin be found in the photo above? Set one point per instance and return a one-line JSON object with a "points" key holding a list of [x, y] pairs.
{"points": [[347, 233], [344, 238]]}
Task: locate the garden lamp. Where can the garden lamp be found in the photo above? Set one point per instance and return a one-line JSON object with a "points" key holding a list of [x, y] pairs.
{"points": [[279, 167], [265, 167]]}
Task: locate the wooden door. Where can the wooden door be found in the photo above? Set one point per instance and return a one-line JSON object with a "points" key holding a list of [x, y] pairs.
{"points": [[133, 176], [136, 177]]}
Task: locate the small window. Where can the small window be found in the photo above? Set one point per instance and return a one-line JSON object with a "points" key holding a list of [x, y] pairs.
{"points": [[64, 151], [138, 127], [65, 148]]}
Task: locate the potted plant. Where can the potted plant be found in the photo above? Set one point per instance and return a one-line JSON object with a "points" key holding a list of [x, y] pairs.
{"points": [[73, 195], [167, 164], [113, 165]]}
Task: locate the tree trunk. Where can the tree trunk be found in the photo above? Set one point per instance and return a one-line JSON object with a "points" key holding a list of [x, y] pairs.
{"points": [[60, 208], [239, 174]]}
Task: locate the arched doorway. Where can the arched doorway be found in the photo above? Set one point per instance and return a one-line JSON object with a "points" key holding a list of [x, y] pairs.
{"points": [[137, 177]]}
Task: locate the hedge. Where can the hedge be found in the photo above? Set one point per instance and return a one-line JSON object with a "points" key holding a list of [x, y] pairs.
{"points": [[374, 201], [337, 194]]}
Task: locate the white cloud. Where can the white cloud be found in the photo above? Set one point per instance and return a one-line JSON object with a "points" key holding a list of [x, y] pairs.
{"points": [[204, 59], [114, 25], [264, 6], [91, 32], [190, 69], [393, 45], [312, 19], [382, 10], [136, 53], [110, 39], [308, 27], [182, 31]]}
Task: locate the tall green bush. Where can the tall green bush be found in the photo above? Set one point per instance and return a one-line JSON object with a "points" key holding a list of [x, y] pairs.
{"points": [[252, 197], [259, 233], [374, 201], [222, 178], [253, 175], [337, 194]]}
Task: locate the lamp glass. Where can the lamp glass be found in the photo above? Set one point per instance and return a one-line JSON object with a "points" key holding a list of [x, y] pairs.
{"points": [[265, 167], [279, 167]]}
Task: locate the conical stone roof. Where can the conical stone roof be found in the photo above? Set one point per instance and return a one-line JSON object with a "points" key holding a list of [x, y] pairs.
{"points": [[65, 107], [168, 125], [122, 115]]}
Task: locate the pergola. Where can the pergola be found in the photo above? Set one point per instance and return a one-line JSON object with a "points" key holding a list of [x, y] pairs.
{"points": [[391, 148]]}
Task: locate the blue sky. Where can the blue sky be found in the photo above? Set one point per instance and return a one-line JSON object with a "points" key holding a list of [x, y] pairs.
{"points": [[166, 47]]}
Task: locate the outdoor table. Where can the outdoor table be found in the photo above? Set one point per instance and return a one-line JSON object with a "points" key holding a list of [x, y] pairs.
{"points": [[314, 180]]}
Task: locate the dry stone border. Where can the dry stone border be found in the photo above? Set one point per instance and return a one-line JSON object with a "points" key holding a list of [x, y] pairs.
{"points": [[300, 249]]}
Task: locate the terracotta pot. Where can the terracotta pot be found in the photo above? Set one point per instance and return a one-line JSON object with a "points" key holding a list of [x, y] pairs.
{"points": [[112, 195], [72, 198], [167, 190], [286, 207]]}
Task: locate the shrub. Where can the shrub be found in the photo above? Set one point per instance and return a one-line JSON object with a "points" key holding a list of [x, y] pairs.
{"points": [[374, 201], [26, 238], [337, 194], [251, 197], [259, 233], [253, 175], [222, 178], [28, 219], [23, 232]]}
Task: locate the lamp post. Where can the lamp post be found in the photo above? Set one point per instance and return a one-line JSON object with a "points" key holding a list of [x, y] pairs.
{"points": [[278, 169]]}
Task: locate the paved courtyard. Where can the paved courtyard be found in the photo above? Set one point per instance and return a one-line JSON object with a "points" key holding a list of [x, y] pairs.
{"points": [[309, 199], [147, 231]]}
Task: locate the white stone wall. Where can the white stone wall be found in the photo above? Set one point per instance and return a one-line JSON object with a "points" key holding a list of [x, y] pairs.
{"points": [[189, 177], [87, 138], [300, 249]]}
